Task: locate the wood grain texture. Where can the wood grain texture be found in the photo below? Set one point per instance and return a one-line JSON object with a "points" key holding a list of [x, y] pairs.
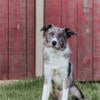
{"points": [[53, 12], [17, 39], [85, 61], [4, 40], [31, 38], [96, 40]]}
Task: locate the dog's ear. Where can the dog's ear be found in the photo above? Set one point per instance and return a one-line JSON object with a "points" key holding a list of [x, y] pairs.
{"points": [[46, 27], [69, 32]]}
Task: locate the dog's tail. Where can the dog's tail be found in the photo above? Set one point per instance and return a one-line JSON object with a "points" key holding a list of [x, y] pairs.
{"points": [[75, 91]]}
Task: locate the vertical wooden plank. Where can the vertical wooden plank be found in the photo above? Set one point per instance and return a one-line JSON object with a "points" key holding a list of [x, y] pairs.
{"points": [[17, 39], [96, 40], [4, 39], [69, 19], [30, 38], [53, 12], [85, 40], [39, 37]]}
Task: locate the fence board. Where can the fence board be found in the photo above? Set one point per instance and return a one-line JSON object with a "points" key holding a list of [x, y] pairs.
{"points": [[17, 39], [85, 71], [30, 38], [4, 39], [53, 12], [96, 40]]}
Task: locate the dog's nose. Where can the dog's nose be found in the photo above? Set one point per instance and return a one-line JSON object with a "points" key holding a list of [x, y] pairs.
{"points": [[54, 43]]}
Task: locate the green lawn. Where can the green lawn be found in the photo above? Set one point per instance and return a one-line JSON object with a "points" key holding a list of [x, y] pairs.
{"points": [[32, 90]]}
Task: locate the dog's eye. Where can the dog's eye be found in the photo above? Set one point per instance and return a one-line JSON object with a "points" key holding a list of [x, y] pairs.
{"points": [[52, 33]]}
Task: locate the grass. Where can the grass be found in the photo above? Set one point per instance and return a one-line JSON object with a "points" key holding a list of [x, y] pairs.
{"points": [[32, 90]]}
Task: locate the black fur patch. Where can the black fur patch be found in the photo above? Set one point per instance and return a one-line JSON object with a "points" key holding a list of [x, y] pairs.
{"points": [[69, 32], [74, 98], [69, 69], [46, 27]]}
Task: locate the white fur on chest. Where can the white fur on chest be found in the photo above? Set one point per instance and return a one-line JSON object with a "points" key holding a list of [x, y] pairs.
{"points": [[56, 57]]}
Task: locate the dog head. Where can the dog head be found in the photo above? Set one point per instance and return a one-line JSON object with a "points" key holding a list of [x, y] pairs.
{"points": [[56, 37]]}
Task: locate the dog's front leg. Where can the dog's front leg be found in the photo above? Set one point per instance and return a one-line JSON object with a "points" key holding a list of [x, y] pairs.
{"points": [[65, 91], [46, 91], [47, 83]]}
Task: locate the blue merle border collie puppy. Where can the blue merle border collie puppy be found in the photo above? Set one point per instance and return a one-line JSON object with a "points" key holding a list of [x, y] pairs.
{"points": [[58, 69]]}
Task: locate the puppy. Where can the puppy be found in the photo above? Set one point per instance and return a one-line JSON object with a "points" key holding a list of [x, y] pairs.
{"points": [[58, 69]]}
